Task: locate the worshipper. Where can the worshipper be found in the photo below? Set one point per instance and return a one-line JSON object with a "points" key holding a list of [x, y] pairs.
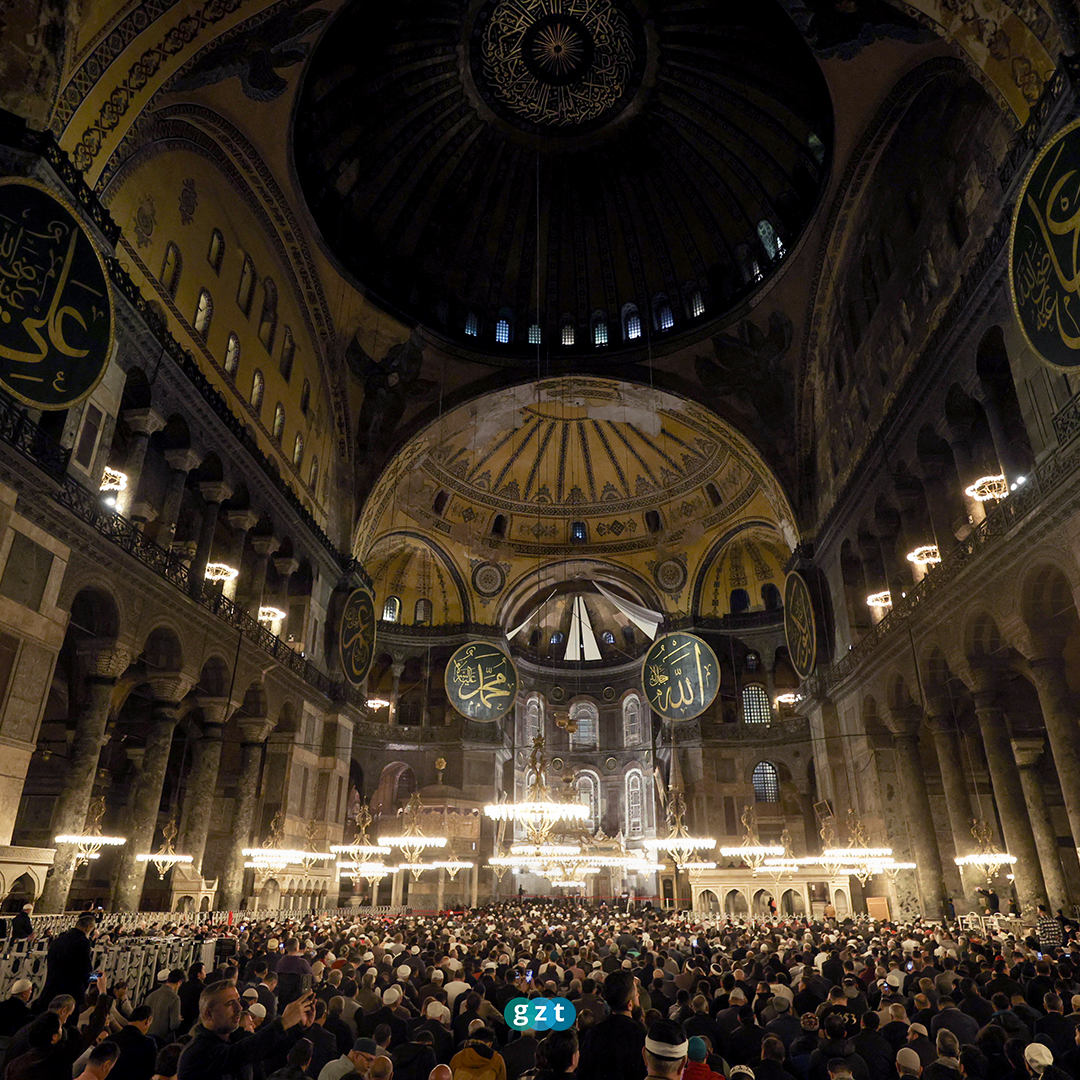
{"points": [[612, 1049], [22, 926], [946, 1066], [785, 1027], [324, 1043], [972, 1063], [1038, 1058], [951, 1018], [385, 1014], [557, 1055], [743, 1045], [771, 1064], [415, 1059], [520, 1054], [1054, 1026], [100, 1061], [39, 1061], [138, 1051], [832, 1043], [15, 1009], [433, 1023], [382, 1068], [908, 1062], [478, 1059], [1048, 929], [357, 1062], [296, 1063], [266, 990], [189, 995], [874, 1048], [167, 1061], [213, 1054], [338, 1026], [919, 1040], [290, 970], [164, 1002], [69, 963], [664, 1053]]}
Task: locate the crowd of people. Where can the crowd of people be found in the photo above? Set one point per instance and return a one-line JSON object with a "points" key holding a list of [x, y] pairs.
{"points": [[655, 994]]}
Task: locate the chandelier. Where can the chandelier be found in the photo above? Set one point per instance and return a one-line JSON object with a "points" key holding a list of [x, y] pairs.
{"points": [[271, 858], [879, 599], [539, 813], [270, 614], [988, 487], [752, 851], [679, 844], [219, 571], [361, 847], [166, 858], [113, 481], [987, 858], [88, 845], [924, 555], [412, 841]]}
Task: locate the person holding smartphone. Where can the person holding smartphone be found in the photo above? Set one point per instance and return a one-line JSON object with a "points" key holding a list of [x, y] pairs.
{"points": [[292, 970]]}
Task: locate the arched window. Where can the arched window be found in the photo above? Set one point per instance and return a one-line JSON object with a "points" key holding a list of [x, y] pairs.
{"points": [[422, 612], [232, 356], [171, 266], [607, 637], [534, 719], [441, 500], [771, 597], [288, 354], [204, 312], [305, 397], [245, 292], [631, 321], [652, 521], [557, 638], [268, 316], [631, 720], [635, 803], [391, 611], [696, 304], [771, 243], [279, 422], [498, 525], [298, 450], [217, 250], [663, 316], [472, 324], [766, 782], [257, 384], [313, 476], [740, 601], [748, 263], [568, 333], [502, 332], [755, 705], [535, 337], [588, 789], [588, 724], [714, 494], [579, 533], [599, 328]]}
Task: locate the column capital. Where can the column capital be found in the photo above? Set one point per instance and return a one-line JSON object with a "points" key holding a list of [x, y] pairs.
{"points": [[1028, 750], [255, 729], [215, 491], [102, 657], [265, 546], [213, 710], [169, 689], [183, 460], [242, 520], [143, 421], [903, 723], [285, 565]]}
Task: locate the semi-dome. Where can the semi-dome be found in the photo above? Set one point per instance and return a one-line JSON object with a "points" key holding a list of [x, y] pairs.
{"points": [[580, 175]]}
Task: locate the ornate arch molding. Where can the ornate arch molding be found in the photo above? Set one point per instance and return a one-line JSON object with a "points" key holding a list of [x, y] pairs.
{"points": [[717, 547], [845, 203], [202, 131], [444, 558]]}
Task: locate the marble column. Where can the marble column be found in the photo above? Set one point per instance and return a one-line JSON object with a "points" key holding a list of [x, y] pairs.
{"points": [[905, 728], [1060, 719], [1011, 464], [253, 733], [202, 781], [264, 546], [214, 493], [1008, 794], [168, 691], [397, 888], [397, 668], [143, 423], [182, 462], [1028, 751], [943, 509], [954, 779], [241, 522], [103, 664]]}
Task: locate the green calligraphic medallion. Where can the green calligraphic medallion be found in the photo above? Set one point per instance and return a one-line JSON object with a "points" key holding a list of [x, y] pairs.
{"points": [[800, 625], [481, 682], [1044, 256], [356, 636], [680, 676], [56, 305]]}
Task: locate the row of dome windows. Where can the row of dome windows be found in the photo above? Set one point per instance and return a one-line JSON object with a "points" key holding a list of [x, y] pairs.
{"points": [[171, 269], [751, 265]]}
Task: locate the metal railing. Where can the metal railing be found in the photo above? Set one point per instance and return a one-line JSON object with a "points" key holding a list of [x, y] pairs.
{"points": [[24, 436]]}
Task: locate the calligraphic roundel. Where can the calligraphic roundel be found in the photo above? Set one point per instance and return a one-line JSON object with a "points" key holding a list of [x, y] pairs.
{"points": [[680, 676], [1044, 260], [356, 636], [56, 305], [800, 625], [481, 682]]}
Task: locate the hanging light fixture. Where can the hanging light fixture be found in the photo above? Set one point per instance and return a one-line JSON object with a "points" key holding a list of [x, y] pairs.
{"points": [[88, 844], [988, 488], [412, 842], [113, 481], [166, 858], [988, 859], [752, 851], [270, 614], [924, 555], [881, 599], [217, 571]]}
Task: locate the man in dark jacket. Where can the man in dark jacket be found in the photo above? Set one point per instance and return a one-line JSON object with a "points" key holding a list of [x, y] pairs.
{"points": [[414, 1060], [189, 996], [214, 1053], [519, 1055], [324, 1044], [832, 1045], [138, 1051], [22, 926], [785, 1027], [873, 1048], [69, 965], [442, 1040], [399, 1029], [612, 1048], [950, 1018], [15, 1010]]}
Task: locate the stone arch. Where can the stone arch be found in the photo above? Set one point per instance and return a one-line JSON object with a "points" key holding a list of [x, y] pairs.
{"points": [[288, 722], [256, 701], [163, 650], [735, 903], [396, 783], [1046, 594], [94, 612], [899, 696], [708, 900], [214, 678]]}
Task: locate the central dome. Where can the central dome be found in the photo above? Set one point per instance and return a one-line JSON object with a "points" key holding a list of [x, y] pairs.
{"points": [[581, 176]]}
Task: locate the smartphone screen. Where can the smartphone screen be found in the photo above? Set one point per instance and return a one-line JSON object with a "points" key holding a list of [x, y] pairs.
{"points": [[305, 983]]}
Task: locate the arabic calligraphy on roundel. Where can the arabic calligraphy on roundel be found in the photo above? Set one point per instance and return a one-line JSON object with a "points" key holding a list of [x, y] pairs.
{"points": [[482, 673], [54, 302], [681, 676]]}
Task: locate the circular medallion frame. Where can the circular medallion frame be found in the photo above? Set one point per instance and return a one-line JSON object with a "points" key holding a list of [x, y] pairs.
{"points": [[356, 635], [481, 682], [800, 624], [488, 579], [689, 659]]}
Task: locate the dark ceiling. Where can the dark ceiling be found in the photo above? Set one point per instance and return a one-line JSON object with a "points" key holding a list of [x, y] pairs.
{"points": [[656, 141]]}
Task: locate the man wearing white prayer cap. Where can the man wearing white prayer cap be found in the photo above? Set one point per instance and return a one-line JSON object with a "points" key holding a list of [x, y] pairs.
{"points": [[665, 1052]]}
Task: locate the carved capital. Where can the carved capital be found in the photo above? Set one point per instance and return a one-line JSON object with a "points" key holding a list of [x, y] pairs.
{"points": [[183, 460], [1028, 750], [265, 546], [102, 658], [285, 566], [255, 729], [242, 520], [169, 689], [143, 421], [903, 723], [142, 511], [213, 710], [215, 491]]}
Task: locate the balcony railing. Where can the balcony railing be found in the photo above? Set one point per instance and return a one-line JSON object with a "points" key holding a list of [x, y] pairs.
{"points": [[24, 436]]}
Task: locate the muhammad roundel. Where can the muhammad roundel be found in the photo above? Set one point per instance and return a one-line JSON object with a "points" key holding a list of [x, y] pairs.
{"points": [[481, 682], [680, 676], [56, 306], [800, 626], [1044, 252], [356, 640]]}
